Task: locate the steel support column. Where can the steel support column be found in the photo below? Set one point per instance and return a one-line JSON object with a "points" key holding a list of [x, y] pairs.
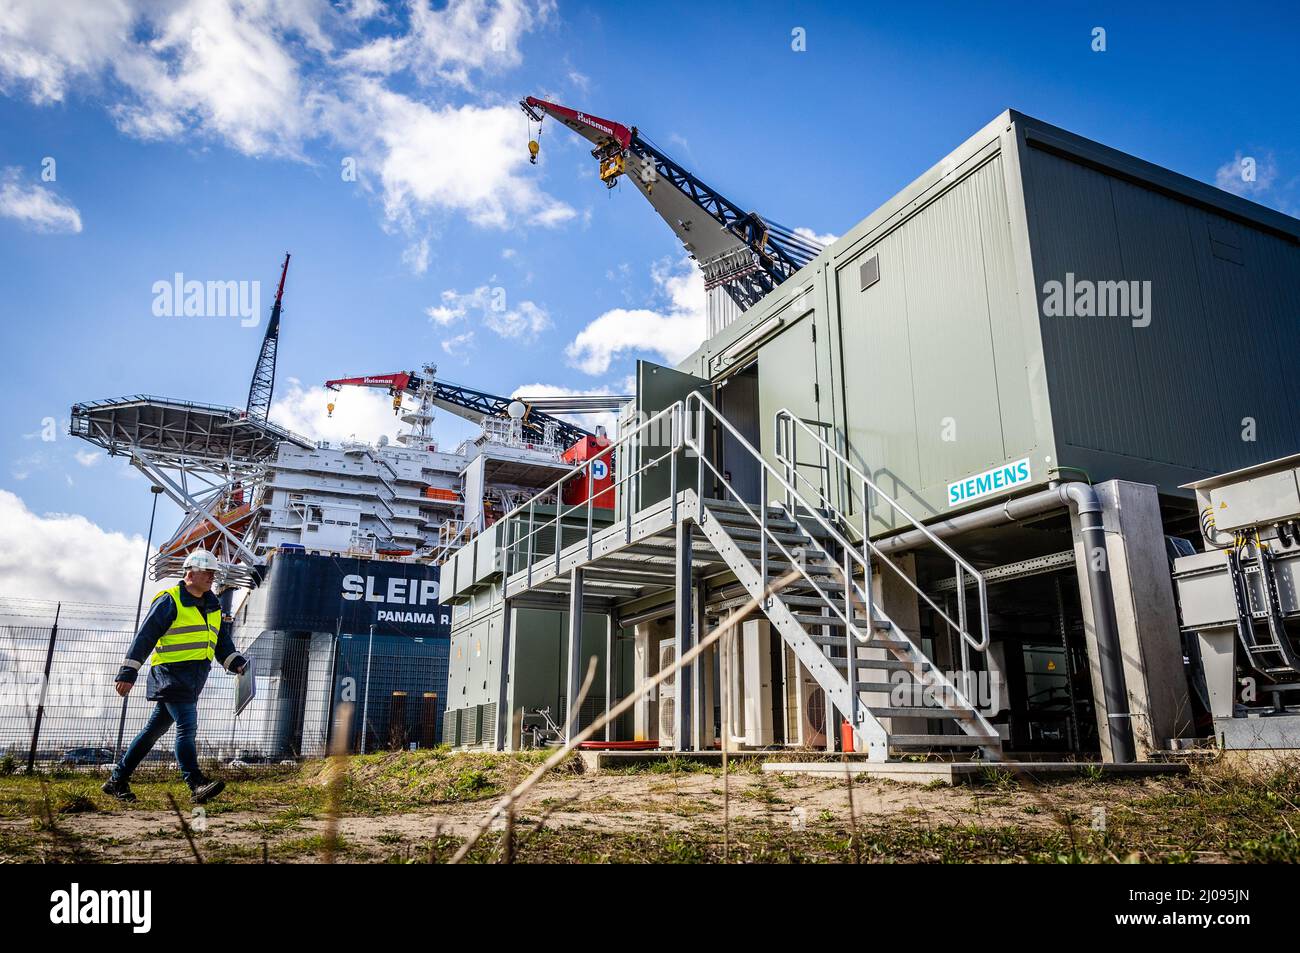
{"points": [[505, 709], [700, 700], [574, 682], [684, 625], [609, 672]]}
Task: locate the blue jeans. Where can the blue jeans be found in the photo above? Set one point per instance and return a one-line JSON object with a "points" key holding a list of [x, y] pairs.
{"points": [[186, 717]]}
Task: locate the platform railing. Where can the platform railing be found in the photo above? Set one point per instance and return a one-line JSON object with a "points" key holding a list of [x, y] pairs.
{"points": [[616, 461]]}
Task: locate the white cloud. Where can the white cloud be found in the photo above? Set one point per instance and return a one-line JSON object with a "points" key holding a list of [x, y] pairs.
{"points": [[43, 52], [416, 256], [460, 345], [89, 458], [442, 315], [269, 77], [671, 334], [808, 233], [362, 10], [66, 556], [1247, 175], [36, 206], [230, 68], [466, 159], [358, 412], [487, 305], [448, 44], [524, 323], [23, 467]]}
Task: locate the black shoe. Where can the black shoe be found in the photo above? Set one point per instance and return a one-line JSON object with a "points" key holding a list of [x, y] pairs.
{"points": [[206, 790], [118, 789]]}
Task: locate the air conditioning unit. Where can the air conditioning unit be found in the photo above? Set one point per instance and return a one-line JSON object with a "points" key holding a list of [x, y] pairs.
{"points": [[812, 713], [805, 706], [667, 695]]}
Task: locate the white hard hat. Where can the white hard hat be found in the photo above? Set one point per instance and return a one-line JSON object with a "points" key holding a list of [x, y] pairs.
{"points": [[202, 559]]}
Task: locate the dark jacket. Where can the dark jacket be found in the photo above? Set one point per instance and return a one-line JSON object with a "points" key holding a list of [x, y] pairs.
{"points": [[176, 681]]}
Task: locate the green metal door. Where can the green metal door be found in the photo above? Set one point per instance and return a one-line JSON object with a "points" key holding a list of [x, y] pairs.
{"points": [[657, 388], [788, 379]]}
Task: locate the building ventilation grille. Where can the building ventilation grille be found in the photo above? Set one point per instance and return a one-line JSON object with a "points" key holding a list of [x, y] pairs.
{"points": [[869, 273]]}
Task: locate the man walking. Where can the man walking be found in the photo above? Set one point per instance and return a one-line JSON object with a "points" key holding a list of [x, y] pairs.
{"points": [[185, 632]]}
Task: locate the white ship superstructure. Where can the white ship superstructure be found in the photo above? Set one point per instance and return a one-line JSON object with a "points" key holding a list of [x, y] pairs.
{"points": [[353, 497]]}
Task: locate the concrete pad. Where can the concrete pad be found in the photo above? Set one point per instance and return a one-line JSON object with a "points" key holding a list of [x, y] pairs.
{"points": [[603, 760], [1279, 733], [973, 772]]}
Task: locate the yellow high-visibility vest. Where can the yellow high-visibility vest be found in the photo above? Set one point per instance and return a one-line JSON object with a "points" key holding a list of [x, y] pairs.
{"points": [[192, 636]]}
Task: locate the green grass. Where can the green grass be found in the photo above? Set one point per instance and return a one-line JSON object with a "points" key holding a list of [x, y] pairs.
{"points": [[1213, 813]]}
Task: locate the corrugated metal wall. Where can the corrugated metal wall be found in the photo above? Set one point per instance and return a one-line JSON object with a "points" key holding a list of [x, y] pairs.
{"points": [[1167, 402], [945, 366], [935, 368]]}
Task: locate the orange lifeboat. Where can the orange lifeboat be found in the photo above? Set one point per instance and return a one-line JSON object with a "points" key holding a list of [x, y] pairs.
{"points": [[235, 519]]}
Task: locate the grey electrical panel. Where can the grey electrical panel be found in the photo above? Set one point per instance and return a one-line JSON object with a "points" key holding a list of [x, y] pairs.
{"points": [[1265, 499]]}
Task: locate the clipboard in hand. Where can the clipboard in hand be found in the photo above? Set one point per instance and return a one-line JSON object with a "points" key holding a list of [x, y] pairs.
{"points": [[245, 686]]}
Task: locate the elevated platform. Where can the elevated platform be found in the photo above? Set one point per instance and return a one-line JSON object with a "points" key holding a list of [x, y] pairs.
{"points": [[163, 427]]}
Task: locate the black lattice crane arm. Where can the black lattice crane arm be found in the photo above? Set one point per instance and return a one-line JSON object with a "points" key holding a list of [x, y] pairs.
{"points": [[473, 405], [739, 250], [263, 383]]}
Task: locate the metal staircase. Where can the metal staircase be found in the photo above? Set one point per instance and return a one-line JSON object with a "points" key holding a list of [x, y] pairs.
{"points": [[827, 615], [896, 698]]}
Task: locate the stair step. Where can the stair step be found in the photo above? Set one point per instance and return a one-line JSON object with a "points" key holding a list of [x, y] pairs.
{"points": [[742, 519], [753, 532], [730, 507], [795, 599], [920, 711], [873, 688], [880, 625], [944, 741], [775, 557], [800, 588], [782, 524], [887, 664], [817, 569], [836, 641]]}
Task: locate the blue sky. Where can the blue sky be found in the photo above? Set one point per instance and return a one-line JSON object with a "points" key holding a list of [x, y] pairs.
{"points": [[207, 137]]}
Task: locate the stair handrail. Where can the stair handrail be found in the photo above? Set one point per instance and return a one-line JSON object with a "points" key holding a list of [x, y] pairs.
{"points": [[850, 554], [693, 441], [784, 423]]}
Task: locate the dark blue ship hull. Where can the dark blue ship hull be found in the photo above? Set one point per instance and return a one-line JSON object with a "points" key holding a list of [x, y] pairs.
{"points": [[351, 654]]}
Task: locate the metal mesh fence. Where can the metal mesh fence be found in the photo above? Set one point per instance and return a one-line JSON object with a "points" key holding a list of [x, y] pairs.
{"points": [[369, 692]]}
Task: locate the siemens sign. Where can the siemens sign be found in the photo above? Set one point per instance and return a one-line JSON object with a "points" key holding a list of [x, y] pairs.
{"points": [[997, 480]]}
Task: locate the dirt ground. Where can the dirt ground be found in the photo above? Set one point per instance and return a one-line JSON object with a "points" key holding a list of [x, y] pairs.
{"points": [[421, 806]]}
